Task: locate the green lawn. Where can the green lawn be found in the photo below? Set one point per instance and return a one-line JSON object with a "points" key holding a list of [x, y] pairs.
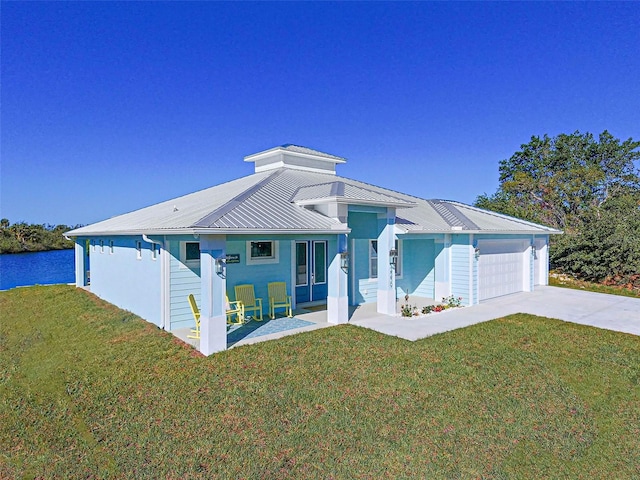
{"points": [[90, 391]]}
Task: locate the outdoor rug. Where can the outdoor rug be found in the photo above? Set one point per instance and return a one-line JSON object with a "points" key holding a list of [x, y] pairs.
{"points": [[253, 329]]}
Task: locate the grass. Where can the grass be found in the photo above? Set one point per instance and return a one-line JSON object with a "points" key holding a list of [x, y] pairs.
{"points": [[567, 281], [90, 391]]}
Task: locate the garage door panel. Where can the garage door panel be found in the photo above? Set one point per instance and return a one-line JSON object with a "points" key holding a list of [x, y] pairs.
{"points": [[500, 269]]}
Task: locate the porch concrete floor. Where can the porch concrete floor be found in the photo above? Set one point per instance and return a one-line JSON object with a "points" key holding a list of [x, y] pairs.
{"points": [[255, 332]]}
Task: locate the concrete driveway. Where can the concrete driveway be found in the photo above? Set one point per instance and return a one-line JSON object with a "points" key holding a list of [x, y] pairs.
{"points": [[611, 312]]}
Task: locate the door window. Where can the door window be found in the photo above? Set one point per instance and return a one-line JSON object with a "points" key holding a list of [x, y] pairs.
{"points": [[301, 264], [320, 262]]}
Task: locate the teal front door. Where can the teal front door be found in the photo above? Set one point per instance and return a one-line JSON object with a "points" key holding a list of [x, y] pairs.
{"points": [[311, 271]]}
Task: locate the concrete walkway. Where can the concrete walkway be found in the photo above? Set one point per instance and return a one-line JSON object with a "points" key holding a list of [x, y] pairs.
{"points": [[611, 312]]}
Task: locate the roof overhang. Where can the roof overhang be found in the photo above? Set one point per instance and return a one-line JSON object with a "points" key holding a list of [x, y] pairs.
{"points": [[340, 229], [481, 232]]}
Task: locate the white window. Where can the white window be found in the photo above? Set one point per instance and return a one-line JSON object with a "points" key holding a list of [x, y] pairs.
{"points": [[139, 250], [262, 251], [373, 258], [190, 254], [111, 247]]}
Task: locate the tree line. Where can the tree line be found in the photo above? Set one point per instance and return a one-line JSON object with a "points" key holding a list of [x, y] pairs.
{"points": [[23, 237], [585, 186]]}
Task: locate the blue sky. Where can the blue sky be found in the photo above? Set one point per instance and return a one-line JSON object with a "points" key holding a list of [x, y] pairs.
{"points": [[110, 107]]}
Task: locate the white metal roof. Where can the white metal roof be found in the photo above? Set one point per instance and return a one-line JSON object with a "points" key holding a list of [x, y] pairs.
{"points": [[280, 201]]}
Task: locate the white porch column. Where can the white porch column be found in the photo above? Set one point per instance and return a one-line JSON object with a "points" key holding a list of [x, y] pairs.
{"points": [[81, 257], [386, 273], [443, 267], [338, 291], [213, 286]]}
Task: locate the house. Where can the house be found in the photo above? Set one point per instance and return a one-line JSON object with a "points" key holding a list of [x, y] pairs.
{"points": [[334, 240]]}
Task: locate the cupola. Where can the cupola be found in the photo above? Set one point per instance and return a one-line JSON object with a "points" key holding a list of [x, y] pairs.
{"points": [[295, 157]]}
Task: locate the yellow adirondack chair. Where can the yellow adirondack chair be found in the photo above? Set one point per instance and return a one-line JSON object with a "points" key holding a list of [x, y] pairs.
{"points": [[195, 332], [235, 308], [278, 298], [246, 294]]}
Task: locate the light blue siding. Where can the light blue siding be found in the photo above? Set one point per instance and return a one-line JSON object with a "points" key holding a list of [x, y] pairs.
{"points": [[260, 275], [124, 280], [183, 280], [418, 269], [366, 288], [460, 267], [365, 225]]}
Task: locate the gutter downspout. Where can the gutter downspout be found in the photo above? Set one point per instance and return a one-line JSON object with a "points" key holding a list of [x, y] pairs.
{"points": [[163, 280]]}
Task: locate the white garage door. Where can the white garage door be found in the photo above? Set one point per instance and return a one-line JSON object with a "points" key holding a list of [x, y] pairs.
{"points": [[500, 268]]}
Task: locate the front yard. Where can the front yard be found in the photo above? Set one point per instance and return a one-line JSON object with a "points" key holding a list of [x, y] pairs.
{"points": [[90, 391]]}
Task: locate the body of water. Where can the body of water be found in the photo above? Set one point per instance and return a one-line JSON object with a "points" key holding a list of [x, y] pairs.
{"points": [[36, 268]]}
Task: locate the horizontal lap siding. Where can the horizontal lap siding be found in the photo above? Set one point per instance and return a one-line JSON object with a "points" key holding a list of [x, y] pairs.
{"points": [[418, 273], [261, 275], [183, 281], [258, 275], [366, 288], [460, 267]]}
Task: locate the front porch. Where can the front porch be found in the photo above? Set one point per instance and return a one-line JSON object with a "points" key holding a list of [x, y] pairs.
{"points": [[304, 320]]}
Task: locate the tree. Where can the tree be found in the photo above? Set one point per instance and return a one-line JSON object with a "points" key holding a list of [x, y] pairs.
{"points": [[608, 245], [588, 188], [24, 237], [557, 180]]}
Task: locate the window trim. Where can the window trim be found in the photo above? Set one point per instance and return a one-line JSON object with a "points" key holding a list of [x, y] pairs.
{"points": [[263, 260], [398, 247], [372, 257], [184, 263]]}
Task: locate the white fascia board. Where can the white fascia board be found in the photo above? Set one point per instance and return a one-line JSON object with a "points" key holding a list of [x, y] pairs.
{"points": [[215, 231], [346, 201], [262, 231], [281, 164], [268, 153], [486, 232]]}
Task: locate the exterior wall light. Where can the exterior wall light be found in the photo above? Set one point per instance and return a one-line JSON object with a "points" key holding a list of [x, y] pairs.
{"points": [[533, 251], [221, 267], [344, 261], [476, 252], [393, 257]]}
